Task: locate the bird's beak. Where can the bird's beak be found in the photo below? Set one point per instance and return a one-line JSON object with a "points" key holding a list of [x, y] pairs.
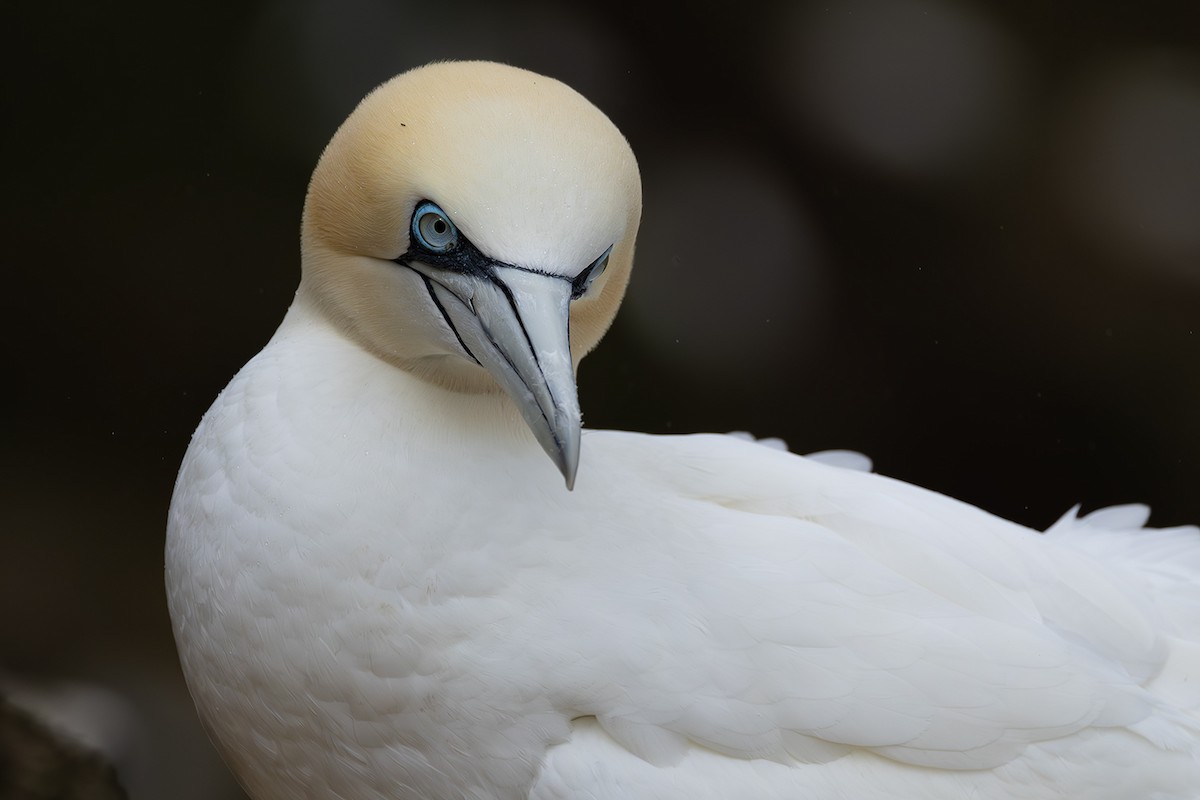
{"points": [[515, 323]]}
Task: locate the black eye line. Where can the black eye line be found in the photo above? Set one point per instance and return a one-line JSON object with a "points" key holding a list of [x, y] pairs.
{"points": [[465, 258], [583, 280]]}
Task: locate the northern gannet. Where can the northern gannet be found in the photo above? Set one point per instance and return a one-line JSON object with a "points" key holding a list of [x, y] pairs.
{"points": [[380, 588]]}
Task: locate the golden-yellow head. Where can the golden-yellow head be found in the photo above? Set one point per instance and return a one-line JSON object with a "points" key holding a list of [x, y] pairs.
{"points": [[474, 224]]}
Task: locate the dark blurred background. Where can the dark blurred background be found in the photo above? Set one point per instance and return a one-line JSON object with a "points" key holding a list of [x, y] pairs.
{"points": [[961, 237]]}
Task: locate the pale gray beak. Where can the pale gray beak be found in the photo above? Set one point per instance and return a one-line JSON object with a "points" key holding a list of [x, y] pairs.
{"points": [[515, 323]]}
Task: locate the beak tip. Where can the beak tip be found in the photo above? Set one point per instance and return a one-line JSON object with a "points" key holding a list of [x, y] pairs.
{"points": [[568, 462]]}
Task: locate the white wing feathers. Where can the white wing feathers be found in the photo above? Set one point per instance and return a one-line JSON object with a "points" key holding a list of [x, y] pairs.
{"points": [[1158, 566], [827, 609], [846, 459]]}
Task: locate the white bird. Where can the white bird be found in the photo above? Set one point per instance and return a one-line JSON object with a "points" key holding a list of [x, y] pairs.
{"points": [[381, 589]]}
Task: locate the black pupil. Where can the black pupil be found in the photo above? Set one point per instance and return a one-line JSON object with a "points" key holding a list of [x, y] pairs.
{"points": [[439, 226]]}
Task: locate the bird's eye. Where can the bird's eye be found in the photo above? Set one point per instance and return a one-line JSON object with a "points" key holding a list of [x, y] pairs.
{"points": [[583, 281], [433, 229]]}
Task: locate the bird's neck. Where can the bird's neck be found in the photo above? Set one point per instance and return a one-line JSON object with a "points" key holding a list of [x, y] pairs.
{"points": [[330, 384]]}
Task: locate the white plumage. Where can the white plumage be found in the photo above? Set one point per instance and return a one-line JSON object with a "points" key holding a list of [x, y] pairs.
{"points": [[381, 589]]}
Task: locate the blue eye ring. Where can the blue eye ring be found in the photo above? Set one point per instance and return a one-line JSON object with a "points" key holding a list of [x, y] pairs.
{"points": [[432, 228]]}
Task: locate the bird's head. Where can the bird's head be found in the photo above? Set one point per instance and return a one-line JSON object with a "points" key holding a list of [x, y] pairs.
{"points": [[474, 224]]}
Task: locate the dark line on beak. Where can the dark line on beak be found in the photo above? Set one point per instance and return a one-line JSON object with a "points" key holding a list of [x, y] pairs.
{"points": [[516, 312], [512, 302], [433, 296]]}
